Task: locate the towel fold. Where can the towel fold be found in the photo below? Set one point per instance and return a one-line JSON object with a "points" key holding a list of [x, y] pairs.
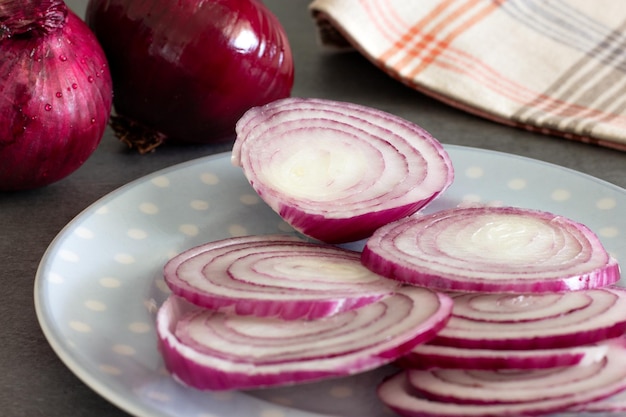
{"points": [[557, 67]]}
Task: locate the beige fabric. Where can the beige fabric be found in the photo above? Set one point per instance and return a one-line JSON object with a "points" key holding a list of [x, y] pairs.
{"points": [[553, 66]]}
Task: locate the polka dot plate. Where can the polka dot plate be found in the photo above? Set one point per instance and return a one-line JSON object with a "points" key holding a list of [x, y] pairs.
{"points": [[99, 284]]}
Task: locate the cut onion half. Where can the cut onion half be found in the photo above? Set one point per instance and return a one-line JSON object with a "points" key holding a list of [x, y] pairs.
{"points": [[504, 393], [211, 350], [428, 356], [491, 249], [275, 275], [337, 171], [602, 319]]}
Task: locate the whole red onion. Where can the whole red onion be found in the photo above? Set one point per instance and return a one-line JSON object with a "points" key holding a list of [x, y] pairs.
{"points": [[187, 70], [55, 93]]}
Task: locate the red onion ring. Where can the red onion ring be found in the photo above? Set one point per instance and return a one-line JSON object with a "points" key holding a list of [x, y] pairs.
{"points": [[496, 393], [491, 249], [429, 356], [275, 276], [337, 171], [602, 319], [216, 351]]}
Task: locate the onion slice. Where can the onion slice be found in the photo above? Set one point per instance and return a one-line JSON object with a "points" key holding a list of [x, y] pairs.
{"points": [[211, 350], [491, 249], [496, 393], [429, 356], [336, 171], [275, 275], [602, 319]]}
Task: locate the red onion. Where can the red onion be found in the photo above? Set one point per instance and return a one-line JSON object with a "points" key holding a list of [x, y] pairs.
{"points": [[429, 356], [491, 249], [562, 326], [187, 70], [276, 276], [337, 171], [55, 93], [495, 393], [218, 351]]}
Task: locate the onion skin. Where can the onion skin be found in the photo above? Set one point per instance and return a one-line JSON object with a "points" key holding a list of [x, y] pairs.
{"points": [[55, 93], [186, 71]]}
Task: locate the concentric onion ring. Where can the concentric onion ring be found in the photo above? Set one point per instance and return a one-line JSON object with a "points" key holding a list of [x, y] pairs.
{"points": [[216, 351], [491, 249], [495, 393], [601, 319], [337, 171], [275, 275]]}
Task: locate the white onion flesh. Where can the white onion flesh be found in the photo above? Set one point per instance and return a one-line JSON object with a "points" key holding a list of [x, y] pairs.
{"points": [[497, 393], [275, 275], [429, 356], [491, 249], [602, 319], [337, 171], [217, 351]]}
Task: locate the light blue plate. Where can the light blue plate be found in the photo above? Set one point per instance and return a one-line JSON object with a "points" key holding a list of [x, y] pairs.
{"points": [[99, 283]]}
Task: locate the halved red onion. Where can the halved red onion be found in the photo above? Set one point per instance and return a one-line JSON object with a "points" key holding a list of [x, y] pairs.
{"points": [[337, 171], [497, 393], [275, 275], [429, 356], [211, 350], [601, 319], [491, 249]]}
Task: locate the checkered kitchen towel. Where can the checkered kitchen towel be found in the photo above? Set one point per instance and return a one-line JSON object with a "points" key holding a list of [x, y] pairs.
{"points": [[553, 66]]}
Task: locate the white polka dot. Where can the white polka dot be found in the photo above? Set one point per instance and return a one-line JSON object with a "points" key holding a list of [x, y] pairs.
{"points": [[162, 286], [139, 327], [158, 396], [80, 326], [249, 199], [272, 412], [69, 256], [606, 204], [137, 234], [517, 184], [124, 258], [470, 199], [474, 172], [199, 205], [560, 195], [609, 232], [151, 305], [95, 305], [84, 233], [124, 350], [209, 178], [110, 282], [110, 370], [237, 230], [341, 391], [55, 278], [149, 208], [189, 229], [103, 210], [161, 181]]}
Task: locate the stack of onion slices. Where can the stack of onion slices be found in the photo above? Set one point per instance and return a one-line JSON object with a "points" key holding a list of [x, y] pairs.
{"points": [[337, 171], [235, 345]]}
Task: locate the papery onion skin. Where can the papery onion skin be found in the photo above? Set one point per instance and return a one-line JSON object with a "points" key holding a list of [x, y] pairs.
{"points": [[186, 71], [55, 93], [503, 264]]}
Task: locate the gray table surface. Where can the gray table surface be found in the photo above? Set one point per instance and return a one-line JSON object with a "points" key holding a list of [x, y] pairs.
{"points": [[33, 381]]}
